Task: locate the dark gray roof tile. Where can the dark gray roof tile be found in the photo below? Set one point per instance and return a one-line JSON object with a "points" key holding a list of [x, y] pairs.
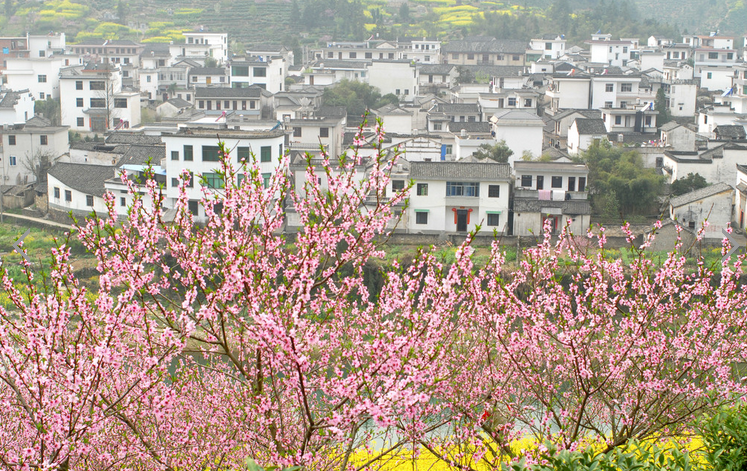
{"points": [[86, 178]]}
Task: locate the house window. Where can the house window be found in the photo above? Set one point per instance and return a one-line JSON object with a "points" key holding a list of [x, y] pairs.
{"points": [[571, 183], [43, 140], [98, 103], [713, 55], [608, 104], [265, 154], [421, 217], [512, 102], [581, 183], [41, 78], [280, 150], [297, 132], [494, 219], [422, 189], [260, 72], [210, 153], [353, 55], [243, 154], [548, 46], [397, 92], [97, 85], [462, 189], [175, 182], [609, 87], [437, 126], [148, 78], [79, 85], [323, 132], [13, 161], [11, 140], [494, 191], [80, 122], [194, 78], [56, 192], [212, 180], [369, 55], [625, 49], [89, 200], [120, 102], [526, 181], [252, 104], [557, 182], [709, 75], [122, 201], [730, 55], [618, 119], [266, 180], [398, 185], [455, 56], [193, 207], [79, 102], [68, 195], [226, 105], [188, 152], [648, 120], [528, 103], [174, 155], [41, 95], [626, 87], [470, 57]]}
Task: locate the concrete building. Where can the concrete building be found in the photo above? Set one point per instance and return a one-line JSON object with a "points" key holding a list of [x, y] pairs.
{"points": [[521, 130], [454, 197], [208, 77], [40, 75], [77, 188], [25, 145], [421, 50], [551, 46], [195, 149], [16, 107], [713, 203], [571, 90], [395, 119], [198, 45], [612, 53], [484, 51], [553, 192], [716, 165], [678, 137], [247, 102], [399, 77], [583, 132], [266, 72]]}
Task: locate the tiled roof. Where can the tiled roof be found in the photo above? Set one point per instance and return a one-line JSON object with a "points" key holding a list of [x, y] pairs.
{"points": [[207, 71], [730, 131], [460, 171], [140, 155], [436, 69], [86, 178], [133, 138], [590, 126], [500, 46], [225, 92], [700, 194], [483, 127], [570, 207], [457, 108]]}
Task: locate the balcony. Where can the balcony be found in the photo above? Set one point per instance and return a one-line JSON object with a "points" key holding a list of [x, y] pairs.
{"points": [[554, 195]]}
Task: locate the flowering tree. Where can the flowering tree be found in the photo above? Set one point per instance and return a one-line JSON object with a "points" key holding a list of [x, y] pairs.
{"points": [[209, 344]]}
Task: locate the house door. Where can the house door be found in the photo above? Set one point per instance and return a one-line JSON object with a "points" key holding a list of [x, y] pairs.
{"points": [[208, 80], [462, 220], [540, 182]]}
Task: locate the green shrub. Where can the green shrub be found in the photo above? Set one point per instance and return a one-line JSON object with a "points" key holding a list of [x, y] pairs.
{"points": [[725, 439]]}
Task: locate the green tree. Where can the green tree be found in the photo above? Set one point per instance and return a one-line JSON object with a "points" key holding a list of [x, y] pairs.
{"points": [[356, 97], [50, 109], [465, 75], [210, 61], [499, 152], [404, 13], [8, 8], [692, 182], [660, 105], [611, 169], [295, 13], [122, 12]]}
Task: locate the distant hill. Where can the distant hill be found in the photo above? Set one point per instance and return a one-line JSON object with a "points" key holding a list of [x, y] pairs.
{"points": [[276, 21]]}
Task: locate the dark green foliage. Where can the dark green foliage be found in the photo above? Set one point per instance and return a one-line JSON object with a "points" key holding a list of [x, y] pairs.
{"points": [[660, 105], [356, 97], [725, 438], [633, 456], [499, 152], [465, 75], [612, 169], [404, 13], [692, 182], [50, 109]]}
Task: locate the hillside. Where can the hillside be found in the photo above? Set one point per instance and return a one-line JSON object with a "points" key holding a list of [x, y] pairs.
{"points": [[277, 21]]}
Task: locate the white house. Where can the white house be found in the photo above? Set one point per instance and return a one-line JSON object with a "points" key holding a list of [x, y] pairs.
{"points": [[583, 132], [92, 99], [607, 51], [713, 203], [247, 102], [208, 77], [615, 90], [716, 165], [552, 46], [422, 50], [266, 72], [631, 119], [16, 106], [715, 115], [45, 45], [740, 198], [399, 77], [715, 77], [521, 130], [677, 136], [571, 90], [328, 72], [195, 149], [40, 75], [77, 188], [449, 197], [554, 192], [199, 44], [395, 119], [25, 145]]}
